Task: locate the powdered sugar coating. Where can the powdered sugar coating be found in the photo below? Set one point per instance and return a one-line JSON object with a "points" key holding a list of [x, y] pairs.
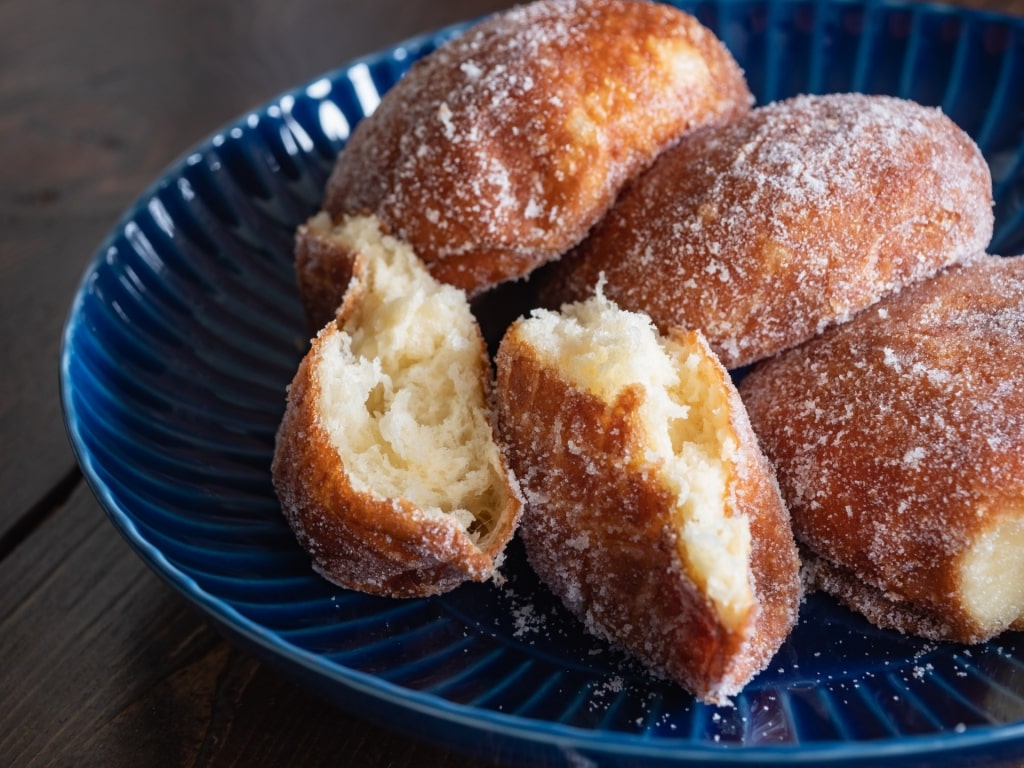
{"points": [[608, 524], [764, 231], [503, 147], [898, 439]]}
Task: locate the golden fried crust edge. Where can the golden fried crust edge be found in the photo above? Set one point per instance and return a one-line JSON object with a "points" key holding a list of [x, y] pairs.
{"points": [[327, 273], [774, 561], [885, 609]]}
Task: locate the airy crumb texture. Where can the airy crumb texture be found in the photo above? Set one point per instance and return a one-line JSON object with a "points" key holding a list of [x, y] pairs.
{"points": [[899, 444], [401, 394], [764, 231], [391, 404], [499, 150], [651, 512], [992, 570]]}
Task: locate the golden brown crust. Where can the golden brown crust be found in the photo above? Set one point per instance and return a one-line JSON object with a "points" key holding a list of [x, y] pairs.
{"points": [[325, 269], [357, 539], [499, 151], [599, 530], [898, 440], [885, 610], [764, 231]]}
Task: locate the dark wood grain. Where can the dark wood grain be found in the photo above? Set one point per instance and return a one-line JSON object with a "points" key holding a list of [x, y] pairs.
{"points": [[112, 668], [95, 100], [101, 663]]}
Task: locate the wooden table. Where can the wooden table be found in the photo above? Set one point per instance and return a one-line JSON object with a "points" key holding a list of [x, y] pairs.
{"points": [[101, 663]]}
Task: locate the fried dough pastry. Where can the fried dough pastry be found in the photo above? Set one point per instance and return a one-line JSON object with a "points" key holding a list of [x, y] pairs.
{"points": [[386, 464], [499, 150], [651, 512], [764, 231], [898, 439]]}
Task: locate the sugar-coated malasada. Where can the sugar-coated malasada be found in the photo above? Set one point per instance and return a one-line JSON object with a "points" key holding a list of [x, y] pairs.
{"points": [[651, 512], [386, 462], [764, 231], [898, 439], [498, 151]]}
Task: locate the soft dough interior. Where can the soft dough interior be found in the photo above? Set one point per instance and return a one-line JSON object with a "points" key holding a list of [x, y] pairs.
{"points": [[992, 574], [403, 398], [686, 422]]}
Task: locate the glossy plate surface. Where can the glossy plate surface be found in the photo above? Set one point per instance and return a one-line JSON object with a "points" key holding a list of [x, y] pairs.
{"points": [[187, 327]]}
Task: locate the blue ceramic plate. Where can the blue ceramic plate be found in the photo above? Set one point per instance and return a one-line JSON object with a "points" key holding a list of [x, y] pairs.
{"points": [[187, 327]]}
